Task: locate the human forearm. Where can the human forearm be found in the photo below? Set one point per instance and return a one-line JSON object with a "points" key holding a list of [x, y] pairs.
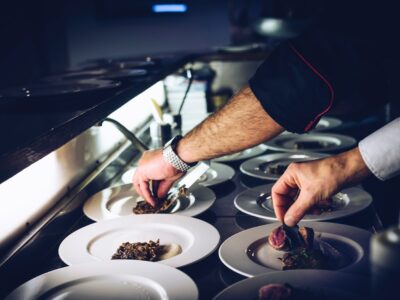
{"points": [[240, 124], [350, 168]]}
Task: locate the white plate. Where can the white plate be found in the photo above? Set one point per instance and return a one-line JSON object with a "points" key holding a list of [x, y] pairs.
{"points": [[327, 123], [333, 285], [128, 175], [255, 167], [335, 142], [216, 174], [248, 253], [119, 201], [110, 280], [347, 203], [245, 154], [99, 241]]}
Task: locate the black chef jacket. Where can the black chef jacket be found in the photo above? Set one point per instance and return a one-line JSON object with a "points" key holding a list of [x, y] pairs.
{"points": [[339, 63]]}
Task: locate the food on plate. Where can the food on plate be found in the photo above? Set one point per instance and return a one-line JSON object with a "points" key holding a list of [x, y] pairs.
{"points": [[303, 251], [285, 238], [310, 145], [279, 291], [322, 207], [327, 205], [149, 251], [307, 237], [163, 205], [142, 207], [304, 259], [275, 291], [277, 168]]}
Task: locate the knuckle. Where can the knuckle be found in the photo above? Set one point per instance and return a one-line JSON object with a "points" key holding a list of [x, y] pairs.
{"points": [[274, 189], [293, 166]]}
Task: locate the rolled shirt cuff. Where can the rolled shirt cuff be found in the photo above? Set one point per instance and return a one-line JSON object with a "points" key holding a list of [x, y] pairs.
{"points": [[381, 150]]}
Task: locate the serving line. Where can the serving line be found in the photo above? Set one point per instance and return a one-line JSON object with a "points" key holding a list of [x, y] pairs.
{"points": [[206, 273]]}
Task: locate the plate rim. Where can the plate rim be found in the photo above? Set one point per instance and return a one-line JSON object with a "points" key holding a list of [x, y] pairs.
{"points": [[357, 235], [271, 158], [85, 235], [310, 218], [220, 168], [347, 142], [74, 272], [257, 150], [96, 201], [289, 273]]}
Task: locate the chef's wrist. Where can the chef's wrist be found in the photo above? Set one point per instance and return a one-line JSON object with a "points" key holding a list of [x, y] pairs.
{"points": [[172, 156], [184, 152], [353, 167], [171, 171]]}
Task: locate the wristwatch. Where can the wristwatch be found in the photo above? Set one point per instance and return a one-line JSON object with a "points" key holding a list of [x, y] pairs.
{"points": [[169, 154]]}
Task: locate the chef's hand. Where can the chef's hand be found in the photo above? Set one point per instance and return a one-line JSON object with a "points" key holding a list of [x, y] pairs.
{"points": [[317, 181], [152, 166]]}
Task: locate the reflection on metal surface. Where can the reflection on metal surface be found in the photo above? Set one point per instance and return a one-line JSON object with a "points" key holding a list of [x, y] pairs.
{"points": [[31, 193]]}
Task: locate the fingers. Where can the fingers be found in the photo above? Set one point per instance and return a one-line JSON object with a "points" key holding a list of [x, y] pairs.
{"points": [[142, 188], [145, 192], [283, 193], [164, 187], [288, 209], [299, 208]]}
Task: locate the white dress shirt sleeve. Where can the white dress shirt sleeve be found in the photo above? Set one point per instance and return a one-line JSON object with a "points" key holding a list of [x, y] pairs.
{"points": [[381, 150]]}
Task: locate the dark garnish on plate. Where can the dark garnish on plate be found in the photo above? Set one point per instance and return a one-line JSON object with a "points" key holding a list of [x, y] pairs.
{"points": [[162, 206], [279, 291], [276, 168], [310, 145], [304, 259], [301, 250], [143, 207], [149, 251]]}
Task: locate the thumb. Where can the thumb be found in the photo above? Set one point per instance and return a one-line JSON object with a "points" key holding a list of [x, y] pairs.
{"points": [[299, 208]]}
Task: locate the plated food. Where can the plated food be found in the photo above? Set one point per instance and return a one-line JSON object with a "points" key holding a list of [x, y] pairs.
{"points": [[242, 155], [165, 205], [149, 251], [298, 285], [249, 253], [302, 249], [272, 166], [257, 202], [106, 280], [182, 240], [122, 200], [311, 142]]}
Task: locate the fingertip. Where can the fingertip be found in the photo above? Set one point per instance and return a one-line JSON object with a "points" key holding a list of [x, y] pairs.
{"points": [[290, 220], [151, 202]]}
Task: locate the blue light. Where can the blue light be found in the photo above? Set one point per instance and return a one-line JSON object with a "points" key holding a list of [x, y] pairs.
{"points": [[169, 8]]}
